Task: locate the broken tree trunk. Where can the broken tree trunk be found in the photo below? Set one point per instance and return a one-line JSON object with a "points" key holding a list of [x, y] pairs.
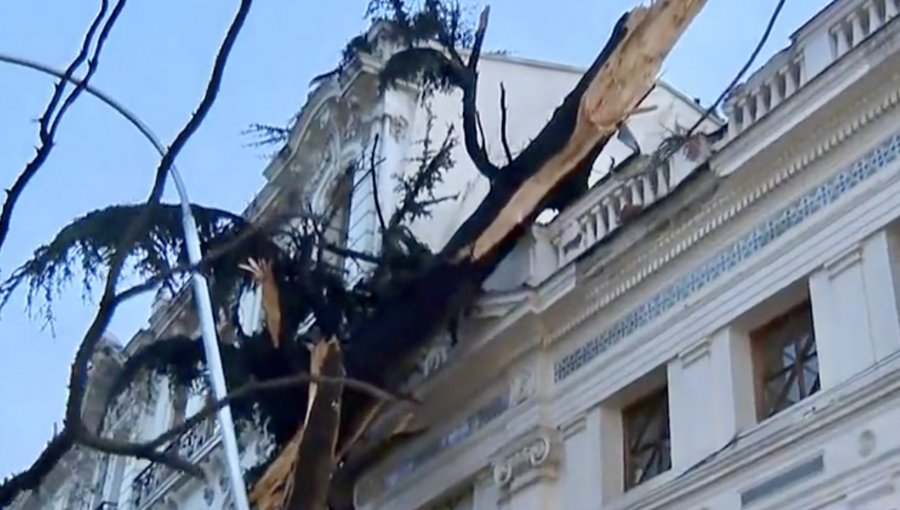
{"points": [[301, 476], [588, 117]]}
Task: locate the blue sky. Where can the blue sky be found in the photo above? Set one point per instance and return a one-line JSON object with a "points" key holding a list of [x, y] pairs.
{"points": [[157, 62]]}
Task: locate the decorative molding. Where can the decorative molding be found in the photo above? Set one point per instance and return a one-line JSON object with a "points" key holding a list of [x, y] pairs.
{"points": [[726, 207], [733, 254], [522, 387], [539, 458], [695, 352], [843, 261]]}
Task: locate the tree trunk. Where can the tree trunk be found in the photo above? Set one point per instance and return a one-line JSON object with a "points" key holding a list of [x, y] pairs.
{"points": [[300, 477], [606, 95]]}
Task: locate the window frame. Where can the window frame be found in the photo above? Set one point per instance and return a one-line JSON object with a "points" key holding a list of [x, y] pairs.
{"points": [[653, 404], [761, 340]]}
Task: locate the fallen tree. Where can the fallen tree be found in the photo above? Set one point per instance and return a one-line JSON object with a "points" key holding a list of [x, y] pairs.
{"points": [[364, 338], [589, 116]]}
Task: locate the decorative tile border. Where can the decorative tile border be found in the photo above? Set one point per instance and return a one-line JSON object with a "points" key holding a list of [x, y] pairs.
{"points": [[725, 260]]}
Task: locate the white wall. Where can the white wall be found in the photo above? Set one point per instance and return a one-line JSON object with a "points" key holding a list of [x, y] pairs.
{"points": [[534, 91]]}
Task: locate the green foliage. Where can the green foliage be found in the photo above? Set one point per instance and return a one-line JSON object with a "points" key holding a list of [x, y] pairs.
{"points": [[265, 134], [88, 244], [428, 35], [417, 189], [414, 23]]}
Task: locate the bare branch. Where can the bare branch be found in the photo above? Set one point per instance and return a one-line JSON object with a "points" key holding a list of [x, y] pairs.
{"points": [[51, 118], [479, 38], [108, 301], [73, 425], [31, 478], [373, 166], [503, 124], [142, 451], [250, 389], [469, 87]]}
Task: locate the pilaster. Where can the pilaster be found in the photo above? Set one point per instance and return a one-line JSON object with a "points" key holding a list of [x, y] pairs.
{"points": [[526, 475]]}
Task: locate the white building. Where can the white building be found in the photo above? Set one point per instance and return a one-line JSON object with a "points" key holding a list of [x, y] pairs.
{"points": [[736, 345]]}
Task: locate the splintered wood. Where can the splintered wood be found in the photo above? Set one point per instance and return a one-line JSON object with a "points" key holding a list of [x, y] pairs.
{"points": [[287, 484], [271, 301], [611, 96]]}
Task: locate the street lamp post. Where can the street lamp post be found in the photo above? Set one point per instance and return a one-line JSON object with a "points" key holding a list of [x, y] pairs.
{"points": [[198, 281]]}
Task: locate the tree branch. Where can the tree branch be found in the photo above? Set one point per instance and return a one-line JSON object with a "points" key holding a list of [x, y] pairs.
{"points": [[250, 389], [51, 118], [503, 124], [373, 165], [73, 425], [469, 85]]}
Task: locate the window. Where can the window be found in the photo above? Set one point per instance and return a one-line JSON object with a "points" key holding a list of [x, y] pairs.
{"points": [[338, 209], [647, 442], [179, 405], [785, 362]]}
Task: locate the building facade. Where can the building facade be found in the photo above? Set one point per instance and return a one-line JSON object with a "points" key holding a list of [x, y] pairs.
{"points": [[733, 344]]}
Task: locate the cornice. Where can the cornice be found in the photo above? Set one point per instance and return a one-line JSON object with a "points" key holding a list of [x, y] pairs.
{"points": [[725, 208]]}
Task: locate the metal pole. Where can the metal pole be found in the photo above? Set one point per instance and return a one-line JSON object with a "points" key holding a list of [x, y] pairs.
{"points": [[198, 282]]}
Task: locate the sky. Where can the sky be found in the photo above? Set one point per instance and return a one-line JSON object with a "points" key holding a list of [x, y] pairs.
{"points": [[157, 62]]}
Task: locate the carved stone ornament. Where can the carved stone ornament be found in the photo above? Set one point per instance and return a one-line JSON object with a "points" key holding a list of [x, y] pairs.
{"points": [[522, 387], [537, 459], [435, 356]]}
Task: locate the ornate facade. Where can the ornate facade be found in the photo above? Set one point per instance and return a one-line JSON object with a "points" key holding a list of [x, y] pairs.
{"points": [[734, 343]]}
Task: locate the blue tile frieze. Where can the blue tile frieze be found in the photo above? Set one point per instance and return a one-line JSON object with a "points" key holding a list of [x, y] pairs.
{"points": [[473, 423], [728, 258]]}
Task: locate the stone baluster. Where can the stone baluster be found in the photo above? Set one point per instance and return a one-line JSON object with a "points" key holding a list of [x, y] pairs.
{"points": [[760, 103], [588, 230], [840, 40], [735, 120], [635, 186], [748, 112], [791, 83], [662, 179], [599, 222], [649, 195], [775, 88], [612, 212], [857, 28], [871, 11], [890, 9]]}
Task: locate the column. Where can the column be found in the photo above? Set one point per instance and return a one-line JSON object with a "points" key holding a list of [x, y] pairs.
{"points": [[710, 396], [881, 270], [612, 454], [844, 338], [580, 487], [890, 9], [526, 477]]}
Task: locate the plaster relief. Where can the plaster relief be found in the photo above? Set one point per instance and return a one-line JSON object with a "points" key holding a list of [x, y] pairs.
{"points": [[537, 459]]}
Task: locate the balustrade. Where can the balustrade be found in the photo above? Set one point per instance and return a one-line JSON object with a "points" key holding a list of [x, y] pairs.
{"points": [[598, 217], [191, 445]]}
